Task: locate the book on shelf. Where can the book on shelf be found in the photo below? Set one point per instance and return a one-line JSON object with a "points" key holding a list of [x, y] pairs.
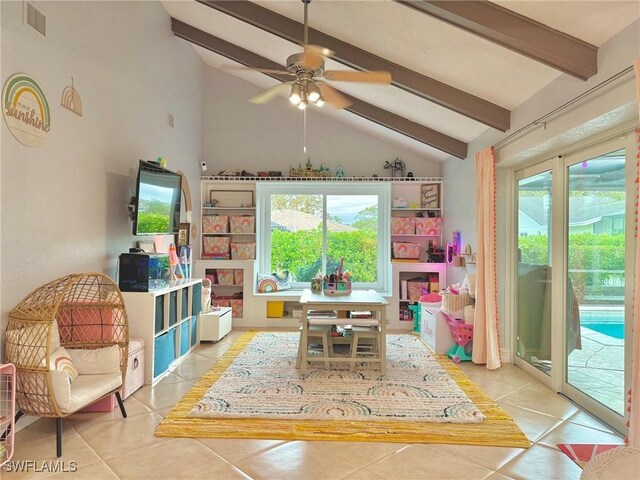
{"points": [[363, 314], [322, 314]]}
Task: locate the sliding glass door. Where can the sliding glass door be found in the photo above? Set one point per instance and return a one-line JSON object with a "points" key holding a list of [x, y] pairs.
{"points": [[533, 273], [595, 303], [573, 270]]}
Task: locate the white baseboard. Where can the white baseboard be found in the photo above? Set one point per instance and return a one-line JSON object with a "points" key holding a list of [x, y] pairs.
{"points": [[505, 356]]}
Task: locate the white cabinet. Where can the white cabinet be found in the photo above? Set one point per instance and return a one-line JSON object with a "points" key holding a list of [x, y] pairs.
{"points": [[215, 325], [434, 329], [167, 320]]}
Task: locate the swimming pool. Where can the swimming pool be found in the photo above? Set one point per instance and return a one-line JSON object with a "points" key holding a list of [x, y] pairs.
{"points": [[610, 323]]}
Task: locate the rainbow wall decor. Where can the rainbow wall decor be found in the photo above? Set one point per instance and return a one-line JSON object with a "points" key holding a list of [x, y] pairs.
{"points": [[71, 99], [25, 110]]}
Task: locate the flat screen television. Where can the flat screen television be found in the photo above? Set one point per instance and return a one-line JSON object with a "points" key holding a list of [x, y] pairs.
{"points": [[157, 201]]}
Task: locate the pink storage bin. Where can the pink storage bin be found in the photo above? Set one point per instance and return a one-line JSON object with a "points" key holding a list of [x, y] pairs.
{"points": [[243, 251], [215, 224], [221, 302], [236, 307], [225, 277], [238, 277], [403, 226], [107, 404], [243, 224], [406, 250], [429, 226], [216, 247]]}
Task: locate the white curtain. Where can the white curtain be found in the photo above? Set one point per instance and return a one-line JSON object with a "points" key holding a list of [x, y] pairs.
{"points": [[486, 340], [634, 391]]}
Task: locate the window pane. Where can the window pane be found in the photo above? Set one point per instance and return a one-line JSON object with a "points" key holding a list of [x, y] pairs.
{"points": [[534, 271], [296, 235], [596, 249], [352, 234]]}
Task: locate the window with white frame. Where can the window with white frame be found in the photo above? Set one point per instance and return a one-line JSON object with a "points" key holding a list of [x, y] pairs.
{"points": [[308, 227]]}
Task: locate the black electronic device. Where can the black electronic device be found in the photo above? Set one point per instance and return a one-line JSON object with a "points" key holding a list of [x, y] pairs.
{"points": [[142, 272]]}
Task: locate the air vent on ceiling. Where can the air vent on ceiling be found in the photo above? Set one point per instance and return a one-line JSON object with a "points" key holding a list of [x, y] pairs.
{"points": [[36, 19]]}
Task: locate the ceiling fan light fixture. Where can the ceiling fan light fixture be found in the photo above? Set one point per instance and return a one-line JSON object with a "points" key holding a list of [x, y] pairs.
{"points": [[313, 93], [319, 102], [296, 94], [302, 105]]}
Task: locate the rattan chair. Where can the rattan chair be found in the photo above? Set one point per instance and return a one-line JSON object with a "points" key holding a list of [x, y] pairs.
{"points": [[82, 313]]}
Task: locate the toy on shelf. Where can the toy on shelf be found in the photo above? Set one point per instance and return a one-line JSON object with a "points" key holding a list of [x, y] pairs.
{"points": [[462, 335], [337, 283], [308, 171]]}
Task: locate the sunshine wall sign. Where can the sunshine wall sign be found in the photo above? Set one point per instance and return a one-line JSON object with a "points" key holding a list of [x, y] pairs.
{"points": [[26, 110]]}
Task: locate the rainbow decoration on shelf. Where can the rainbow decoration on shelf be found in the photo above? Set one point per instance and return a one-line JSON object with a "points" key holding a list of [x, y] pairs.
{"points": [[26, 110], [267, 285]]}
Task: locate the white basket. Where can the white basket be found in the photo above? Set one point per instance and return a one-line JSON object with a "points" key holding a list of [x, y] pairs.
{"points": [[454, 303]]}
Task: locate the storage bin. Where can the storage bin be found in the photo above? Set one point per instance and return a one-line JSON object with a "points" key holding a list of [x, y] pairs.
{"points": [[403, 225], [236, 307], [165, 352], [275, 309], [221, 302], [429, 226], [135, 367], [416, 290], [215, 224], [406, 250], [225, 277], [243, 250], [238, 277], [216, 247], [243, 224], [184, 338], [455, 303]]}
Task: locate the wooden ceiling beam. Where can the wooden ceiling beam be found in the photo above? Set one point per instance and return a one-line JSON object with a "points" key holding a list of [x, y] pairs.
{"points": [[394, 122], [420, 85], [516, 32]]}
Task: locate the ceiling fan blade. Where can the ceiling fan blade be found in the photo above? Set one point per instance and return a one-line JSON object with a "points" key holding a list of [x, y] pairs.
{"points": [[370, 77], [333, 97], [312, 56], [263, 70], [270, 93]]}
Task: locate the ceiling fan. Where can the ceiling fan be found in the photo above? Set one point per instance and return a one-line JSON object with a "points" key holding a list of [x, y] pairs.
{"points": [[306, 68]]}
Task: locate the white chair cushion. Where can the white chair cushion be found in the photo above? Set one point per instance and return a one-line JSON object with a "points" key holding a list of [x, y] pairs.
{"points": [[61, 389], [97, 361], [89, 388]]}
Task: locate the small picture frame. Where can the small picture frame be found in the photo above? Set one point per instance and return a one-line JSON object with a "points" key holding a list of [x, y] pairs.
{"points": [[231, 198], [147, 247], [430, 195], [182, 237]]}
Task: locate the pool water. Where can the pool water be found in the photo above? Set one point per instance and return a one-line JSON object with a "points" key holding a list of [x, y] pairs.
{"points": [[609, 323], [615, 330]]}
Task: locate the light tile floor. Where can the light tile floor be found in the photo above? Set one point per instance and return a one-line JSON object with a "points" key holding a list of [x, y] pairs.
{"points": [[104, 445]]}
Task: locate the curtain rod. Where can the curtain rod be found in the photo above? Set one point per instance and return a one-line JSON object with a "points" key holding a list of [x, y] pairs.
{"points": [[540, 121]]}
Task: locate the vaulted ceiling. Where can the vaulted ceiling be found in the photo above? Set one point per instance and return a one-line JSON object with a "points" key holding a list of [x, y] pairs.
{"points": [[458, 68]]}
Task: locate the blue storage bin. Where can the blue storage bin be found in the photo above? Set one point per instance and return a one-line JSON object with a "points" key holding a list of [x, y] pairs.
{"points": [[173, 308], [185, 303], [194, 330], [165, 351], [159, 320], [184, 338], [196, 299]]}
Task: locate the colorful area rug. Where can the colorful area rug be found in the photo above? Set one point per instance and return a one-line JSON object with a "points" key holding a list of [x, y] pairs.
{"points": [[254, 391], [581, 453]]}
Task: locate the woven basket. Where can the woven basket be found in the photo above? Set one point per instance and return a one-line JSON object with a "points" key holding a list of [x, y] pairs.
{"points": [[454, 303]]}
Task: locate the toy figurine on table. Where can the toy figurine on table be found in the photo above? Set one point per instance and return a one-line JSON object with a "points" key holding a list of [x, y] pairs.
{"points": [[338, 283]]}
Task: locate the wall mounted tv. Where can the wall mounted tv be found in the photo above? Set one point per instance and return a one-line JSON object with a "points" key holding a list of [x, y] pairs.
{"points": [[157, 201]]}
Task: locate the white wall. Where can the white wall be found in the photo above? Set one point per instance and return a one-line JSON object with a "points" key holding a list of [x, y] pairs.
{"points": [[241, 135], [613, 105], [64, 202]]}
